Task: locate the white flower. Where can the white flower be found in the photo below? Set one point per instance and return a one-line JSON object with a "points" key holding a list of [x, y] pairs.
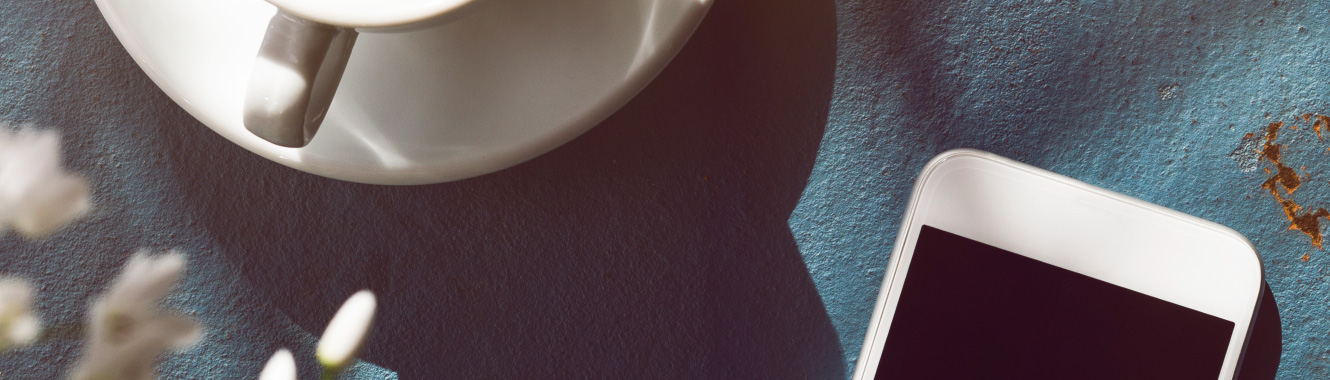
{"points": [[282, 366], [36, 196], [17, 324], [127, 331], [346, 333]]}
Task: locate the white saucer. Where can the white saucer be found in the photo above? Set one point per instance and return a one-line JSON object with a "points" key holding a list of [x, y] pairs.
{"points": [[502, 84]]}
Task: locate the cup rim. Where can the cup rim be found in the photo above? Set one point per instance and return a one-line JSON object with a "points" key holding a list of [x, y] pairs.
{"points": [[367, 14]]}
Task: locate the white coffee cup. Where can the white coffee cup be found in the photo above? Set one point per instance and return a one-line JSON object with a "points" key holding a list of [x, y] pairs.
{"points": [[305, 50]]}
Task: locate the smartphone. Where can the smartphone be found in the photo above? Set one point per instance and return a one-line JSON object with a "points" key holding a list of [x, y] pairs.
{"points": [[1006, 271]]}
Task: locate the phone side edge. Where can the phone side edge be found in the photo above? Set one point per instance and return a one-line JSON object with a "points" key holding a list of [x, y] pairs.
{"points": [[893, 263]]}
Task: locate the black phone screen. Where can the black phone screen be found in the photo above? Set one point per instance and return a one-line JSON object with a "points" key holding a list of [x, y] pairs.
{"points": [[968, 310]]}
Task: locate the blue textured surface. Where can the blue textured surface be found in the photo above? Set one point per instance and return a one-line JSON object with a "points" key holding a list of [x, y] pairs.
{"points": [[1144, 99], [730, 222]]}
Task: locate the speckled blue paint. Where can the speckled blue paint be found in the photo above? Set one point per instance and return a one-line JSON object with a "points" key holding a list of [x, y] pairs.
{"points": [[730, 222], [1144, 99]]}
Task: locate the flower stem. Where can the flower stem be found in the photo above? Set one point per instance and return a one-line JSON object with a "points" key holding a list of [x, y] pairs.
{"points": [[329, 373]]}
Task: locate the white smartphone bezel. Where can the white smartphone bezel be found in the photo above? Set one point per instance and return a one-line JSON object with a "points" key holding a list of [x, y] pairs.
{"points": [[1076, 226]]}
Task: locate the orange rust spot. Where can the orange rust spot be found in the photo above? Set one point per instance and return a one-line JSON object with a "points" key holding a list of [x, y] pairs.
{"points": [[1306, 256], [1306, 117], [1287, 178], [1322, 123]]}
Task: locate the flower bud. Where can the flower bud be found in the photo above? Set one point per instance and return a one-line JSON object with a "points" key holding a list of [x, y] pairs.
{"points": [[282, 366], [347, 332]]}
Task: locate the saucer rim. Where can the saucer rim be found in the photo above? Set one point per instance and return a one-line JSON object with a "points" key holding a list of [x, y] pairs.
{"points": [[617, 97]]}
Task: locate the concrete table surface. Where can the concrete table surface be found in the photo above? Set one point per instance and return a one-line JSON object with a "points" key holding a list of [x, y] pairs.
{"points": [[732, 221]]}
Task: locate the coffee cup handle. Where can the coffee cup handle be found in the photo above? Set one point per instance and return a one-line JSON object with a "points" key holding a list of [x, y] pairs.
{"points": [[294, 77]]}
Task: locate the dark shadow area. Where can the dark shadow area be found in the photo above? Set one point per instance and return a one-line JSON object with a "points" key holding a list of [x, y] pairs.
{"points": [[654, 246], [1264, 346]]}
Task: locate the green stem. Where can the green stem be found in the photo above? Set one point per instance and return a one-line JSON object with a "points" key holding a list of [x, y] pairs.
{"points": [[329, 373]]}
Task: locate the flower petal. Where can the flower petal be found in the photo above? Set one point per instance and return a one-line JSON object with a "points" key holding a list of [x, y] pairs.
{"points": [[347, 331], [282, 366], [36, 195]]}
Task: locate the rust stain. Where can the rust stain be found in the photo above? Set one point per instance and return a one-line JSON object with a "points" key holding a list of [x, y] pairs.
{"points": [[1285, 178], [1306, 256], [1322, 122]]}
